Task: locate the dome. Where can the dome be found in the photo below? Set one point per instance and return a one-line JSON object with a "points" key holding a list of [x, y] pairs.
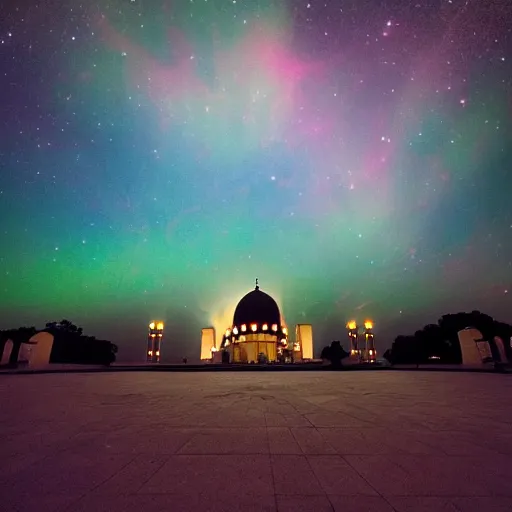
{"points": [[257, 307]]}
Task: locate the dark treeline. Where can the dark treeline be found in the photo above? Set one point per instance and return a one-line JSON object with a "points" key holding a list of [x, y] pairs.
{"points": [[70, 345], [439, 343]]}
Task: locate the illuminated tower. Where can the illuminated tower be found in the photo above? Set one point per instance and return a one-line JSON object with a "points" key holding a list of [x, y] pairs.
{"points": [[304, 341], [207, 343], [352, 336], [370, 353], [155, 335]]}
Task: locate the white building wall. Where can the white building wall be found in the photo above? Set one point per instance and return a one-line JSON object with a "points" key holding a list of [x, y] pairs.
{"points": [[473, 353], [207, 342], [304, 334]]}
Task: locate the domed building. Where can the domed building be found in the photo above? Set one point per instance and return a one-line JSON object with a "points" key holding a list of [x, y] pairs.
{"points": [[258, 332]]}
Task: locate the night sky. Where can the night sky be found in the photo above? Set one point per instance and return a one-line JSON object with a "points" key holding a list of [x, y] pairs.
{"points": [[158, 156]]}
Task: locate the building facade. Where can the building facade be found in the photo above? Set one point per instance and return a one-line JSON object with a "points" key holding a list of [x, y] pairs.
{"points": [[258, 334]]}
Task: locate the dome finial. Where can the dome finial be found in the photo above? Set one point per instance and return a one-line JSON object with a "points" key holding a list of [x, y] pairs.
{"points": [[257, 285]]}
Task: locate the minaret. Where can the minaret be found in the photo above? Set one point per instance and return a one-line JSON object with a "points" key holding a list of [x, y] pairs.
{"points": [[155, 335], [371, 353], [352, 336]]}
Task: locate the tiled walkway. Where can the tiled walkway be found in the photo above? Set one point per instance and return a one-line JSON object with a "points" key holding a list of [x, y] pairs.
{"points": [[291, 441]]}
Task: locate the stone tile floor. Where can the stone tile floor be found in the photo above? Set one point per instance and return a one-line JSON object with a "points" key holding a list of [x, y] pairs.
{"points": [[346, 441]]}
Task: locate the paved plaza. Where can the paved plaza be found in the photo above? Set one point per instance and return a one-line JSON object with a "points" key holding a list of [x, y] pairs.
{"points": [[256, 441]]}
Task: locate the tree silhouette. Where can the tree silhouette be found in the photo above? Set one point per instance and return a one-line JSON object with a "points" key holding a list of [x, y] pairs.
{"points": [[388, 356], [69, 344], [404, 350], [64, 326], [440, 342], [326, 353], [334, 353]]}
